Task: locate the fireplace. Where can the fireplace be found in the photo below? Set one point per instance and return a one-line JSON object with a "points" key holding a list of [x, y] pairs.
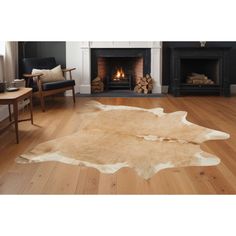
{"points": [[119, 68], [199, 71], [79, 55]]}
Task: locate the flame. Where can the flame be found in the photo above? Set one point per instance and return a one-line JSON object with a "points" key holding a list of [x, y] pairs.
{"points": [[120, 74]]}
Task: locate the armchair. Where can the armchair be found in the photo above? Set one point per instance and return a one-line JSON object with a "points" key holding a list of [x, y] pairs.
{"points": [[42, 88]]}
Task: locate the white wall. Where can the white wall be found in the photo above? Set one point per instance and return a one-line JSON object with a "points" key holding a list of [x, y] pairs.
{"points": [[73, 59]]}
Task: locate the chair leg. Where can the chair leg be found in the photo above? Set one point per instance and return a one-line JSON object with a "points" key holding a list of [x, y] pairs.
{"points": [[42, 103], [73, 92]]}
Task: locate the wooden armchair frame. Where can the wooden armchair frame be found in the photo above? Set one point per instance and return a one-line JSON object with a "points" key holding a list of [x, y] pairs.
{"points": [[41, 93]]}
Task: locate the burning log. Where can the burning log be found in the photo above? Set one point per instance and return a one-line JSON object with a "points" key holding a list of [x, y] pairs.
{"points": [[97, 85], [196, 78], [144, 84]]}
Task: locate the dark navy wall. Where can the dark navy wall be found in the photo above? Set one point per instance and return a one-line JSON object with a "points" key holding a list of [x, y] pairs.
{"points": [[55, 49]]}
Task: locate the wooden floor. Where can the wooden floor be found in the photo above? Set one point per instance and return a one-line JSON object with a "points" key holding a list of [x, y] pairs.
{"points": [[62, 118]]}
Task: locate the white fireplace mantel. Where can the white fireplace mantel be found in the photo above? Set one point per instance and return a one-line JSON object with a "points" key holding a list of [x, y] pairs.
{"points": [[78, 55]]}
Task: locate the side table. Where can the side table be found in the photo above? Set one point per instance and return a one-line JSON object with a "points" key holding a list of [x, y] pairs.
{"points": [[12, 98]]}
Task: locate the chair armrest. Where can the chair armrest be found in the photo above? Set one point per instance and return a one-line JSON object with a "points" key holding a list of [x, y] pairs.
{"points": [[67, 69], [28, 77], [32, 75]]}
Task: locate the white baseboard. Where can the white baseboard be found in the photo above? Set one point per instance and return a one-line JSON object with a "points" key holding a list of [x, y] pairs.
{"points": [[68, 93], [85, 89], [156, 89], [164, 89], [233, 88]]}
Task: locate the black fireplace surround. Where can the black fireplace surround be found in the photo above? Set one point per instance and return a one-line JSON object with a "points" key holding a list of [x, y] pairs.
{"points": [[123, 57], [211, 61]]}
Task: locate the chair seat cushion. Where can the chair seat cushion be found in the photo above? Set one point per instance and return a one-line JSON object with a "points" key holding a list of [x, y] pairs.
{"points": [[57, 85]]}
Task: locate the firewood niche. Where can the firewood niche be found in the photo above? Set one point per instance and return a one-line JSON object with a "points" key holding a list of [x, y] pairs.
{"points": [[144, 84], [97, 85]]}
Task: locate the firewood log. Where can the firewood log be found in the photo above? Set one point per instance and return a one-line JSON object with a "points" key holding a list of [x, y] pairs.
{"points": [[144, 83], [136, 89], [150, 87], [97, 85]]}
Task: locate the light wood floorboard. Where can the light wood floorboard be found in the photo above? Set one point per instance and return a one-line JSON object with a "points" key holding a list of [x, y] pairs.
{"points": [[63, 118]]}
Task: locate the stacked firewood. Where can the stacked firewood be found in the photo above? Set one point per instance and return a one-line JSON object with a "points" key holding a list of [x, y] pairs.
{"points": [[97, 85], [196, 78], [144, 84]]}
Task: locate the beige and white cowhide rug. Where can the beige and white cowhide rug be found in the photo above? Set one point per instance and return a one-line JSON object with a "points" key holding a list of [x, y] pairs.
{"points": [[147, 140]]}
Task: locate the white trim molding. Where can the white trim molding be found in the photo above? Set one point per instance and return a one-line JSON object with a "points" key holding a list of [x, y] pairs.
{"points": [[233, 88], [78, 55]]}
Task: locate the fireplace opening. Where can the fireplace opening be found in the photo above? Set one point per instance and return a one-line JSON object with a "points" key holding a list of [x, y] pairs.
{"points": [[119, 77], [200, 71], [120, 72], [119, 69]]}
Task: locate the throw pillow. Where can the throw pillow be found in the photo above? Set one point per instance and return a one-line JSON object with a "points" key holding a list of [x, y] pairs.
{"points": [[52, 75]]}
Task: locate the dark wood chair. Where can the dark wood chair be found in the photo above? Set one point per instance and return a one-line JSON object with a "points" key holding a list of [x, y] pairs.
{"points": [[41, 89]]}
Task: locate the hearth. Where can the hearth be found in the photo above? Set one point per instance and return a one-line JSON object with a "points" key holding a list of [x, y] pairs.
{"points": [[120, 68], [199, 71]]}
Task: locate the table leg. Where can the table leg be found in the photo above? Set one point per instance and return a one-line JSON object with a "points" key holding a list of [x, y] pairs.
{"points": [[31, 110], [15, 110], [9, 109]]}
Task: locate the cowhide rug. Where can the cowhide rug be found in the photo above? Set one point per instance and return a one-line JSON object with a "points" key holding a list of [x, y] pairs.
{"points": [[147, 140]]}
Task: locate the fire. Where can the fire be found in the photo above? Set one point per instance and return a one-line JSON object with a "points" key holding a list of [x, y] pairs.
{"points": [[120, 74]]}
